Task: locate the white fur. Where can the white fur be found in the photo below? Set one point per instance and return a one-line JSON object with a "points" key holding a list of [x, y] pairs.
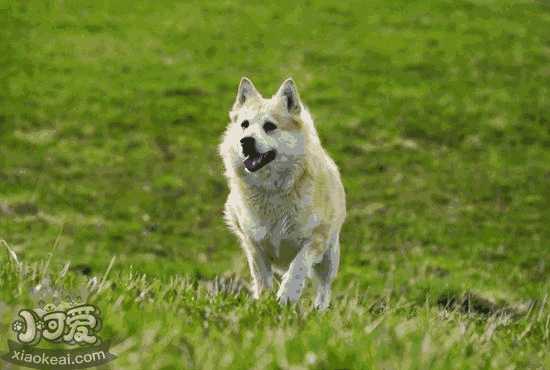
{"points": [[288, 214]]}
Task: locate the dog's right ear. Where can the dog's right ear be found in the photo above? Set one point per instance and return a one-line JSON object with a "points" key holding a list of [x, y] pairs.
{"points": [[246, 91]]}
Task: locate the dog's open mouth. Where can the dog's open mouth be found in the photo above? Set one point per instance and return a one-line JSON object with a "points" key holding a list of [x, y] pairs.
{"points": [[254, 161]]}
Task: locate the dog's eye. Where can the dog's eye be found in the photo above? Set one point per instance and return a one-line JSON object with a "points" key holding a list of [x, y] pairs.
{"points": [[269, 126], [244, 124]]}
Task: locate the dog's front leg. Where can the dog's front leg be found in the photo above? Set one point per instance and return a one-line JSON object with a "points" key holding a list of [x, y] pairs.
{"points": [[294, 280], [260, 269]]}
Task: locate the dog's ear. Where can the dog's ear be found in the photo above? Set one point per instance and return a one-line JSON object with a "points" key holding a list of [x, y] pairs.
{"points": [[246, 91], [288, 93]]}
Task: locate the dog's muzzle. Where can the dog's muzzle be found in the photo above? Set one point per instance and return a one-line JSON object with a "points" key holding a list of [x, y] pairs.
{"points": [[254, 159]]}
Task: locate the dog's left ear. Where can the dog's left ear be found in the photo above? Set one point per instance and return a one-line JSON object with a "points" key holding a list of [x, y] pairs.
{"points": [[288, 93]]}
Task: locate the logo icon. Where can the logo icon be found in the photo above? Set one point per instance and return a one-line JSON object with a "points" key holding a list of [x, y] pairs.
{"points": [[69, 323]]}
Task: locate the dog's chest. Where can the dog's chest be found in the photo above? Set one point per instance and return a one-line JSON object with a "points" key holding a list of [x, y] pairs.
{"points": [[280, 226]]}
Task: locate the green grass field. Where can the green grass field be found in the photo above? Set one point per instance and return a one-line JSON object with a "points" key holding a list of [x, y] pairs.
{"points": [[437, 113]]}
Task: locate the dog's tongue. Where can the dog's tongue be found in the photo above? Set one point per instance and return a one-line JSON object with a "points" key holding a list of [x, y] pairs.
{"points": [[257, 161], [253, 163]]}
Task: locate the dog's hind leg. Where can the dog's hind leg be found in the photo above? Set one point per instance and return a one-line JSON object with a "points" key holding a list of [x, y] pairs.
{"points": [[325, 272]]}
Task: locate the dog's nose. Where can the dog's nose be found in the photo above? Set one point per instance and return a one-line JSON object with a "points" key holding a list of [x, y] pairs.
{"points": [[249, 144], [247, 141]]}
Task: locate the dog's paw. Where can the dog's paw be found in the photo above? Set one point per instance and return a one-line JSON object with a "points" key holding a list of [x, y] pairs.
{"points": [[321, 304], [290, 290], [322, 300], [285, 298]]}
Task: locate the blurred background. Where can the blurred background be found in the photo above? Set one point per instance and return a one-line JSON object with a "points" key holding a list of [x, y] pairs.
{"points": [[436, 112]]}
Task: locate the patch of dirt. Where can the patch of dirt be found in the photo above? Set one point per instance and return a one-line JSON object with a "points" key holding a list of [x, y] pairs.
{"points": [[83, 269], [20, 209], [470, 302], [189, 91]]}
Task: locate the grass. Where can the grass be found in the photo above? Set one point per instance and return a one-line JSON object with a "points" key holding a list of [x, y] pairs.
{"points": [[437, 114]]}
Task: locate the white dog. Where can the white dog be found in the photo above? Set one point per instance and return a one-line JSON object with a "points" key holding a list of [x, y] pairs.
{"points": [[286, 202]]}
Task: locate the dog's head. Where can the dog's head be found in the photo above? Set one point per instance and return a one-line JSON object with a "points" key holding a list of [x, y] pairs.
{"points": [[264, 143]]}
